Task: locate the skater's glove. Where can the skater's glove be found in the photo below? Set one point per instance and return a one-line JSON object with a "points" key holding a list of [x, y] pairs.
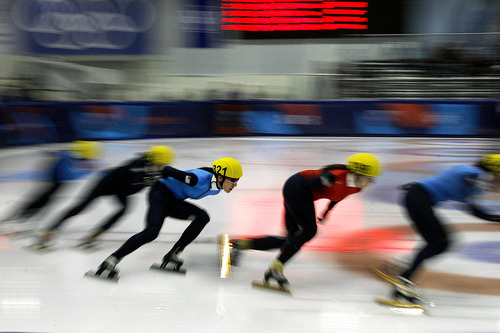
{"points": [[322, 219], [406, 187], [480, 213]]}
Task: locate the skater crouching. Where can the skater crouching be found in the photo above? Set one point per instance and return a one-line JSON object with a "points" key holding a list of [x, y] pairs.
{"points": [[459, 183], [334, 182], [64, 166], [167, 198], [120, 183]]}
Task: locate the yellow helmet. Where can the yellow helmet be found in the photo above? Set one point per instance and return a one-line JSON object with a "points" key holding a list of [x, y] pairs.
{"points": [[227, 167], [364, 164], [87, 150], [491, 162], [160, 155]]}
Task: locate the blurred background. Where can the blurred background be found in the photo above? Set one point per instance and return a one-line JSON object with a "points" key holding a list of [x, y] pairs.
{"points": [[114, 69]]}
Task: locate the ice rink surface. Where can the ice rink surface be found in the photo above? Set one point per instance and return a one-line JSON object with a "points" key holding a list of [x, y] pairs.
{"points": [[332, 288]]}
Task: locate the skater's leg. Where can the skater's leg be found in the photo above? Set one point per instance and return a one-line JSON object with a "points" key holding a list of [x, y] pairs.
{"points": [[300, 220], [291, 188], [300, 211], [300, 216], [96, 192], [419, 208], [92, 235], [186, 210], [261, 243], [160, 198]]}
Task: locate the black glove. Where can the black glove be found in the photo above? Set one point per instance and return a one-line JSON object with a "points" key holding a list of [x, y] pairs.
{"points": [[321, 219], [477, 212]]}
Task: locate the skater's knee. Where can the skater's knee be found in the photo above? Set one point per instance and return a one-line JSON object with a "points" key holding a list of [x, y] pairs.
{"points": [[444, 244], [202, 217], [309, 232], [441, 245], [150, 235]]}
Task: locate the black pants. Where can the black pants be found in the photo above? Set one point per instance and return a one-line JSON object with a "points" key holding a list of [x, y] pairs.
{"points": [[105, 187], [419, 208], [162, 203], [300, 220]]}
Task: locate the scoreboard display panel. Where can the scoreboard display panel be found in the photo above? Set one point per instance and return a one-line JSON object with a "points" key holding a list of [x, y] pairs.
{"points": [[256, 19]]}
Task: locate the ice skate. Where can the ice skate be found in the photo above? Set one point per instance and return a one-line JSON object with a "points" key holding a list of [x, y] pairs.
{"points": [[107, 270], [275, 272], [171, 262], [402, 285], [89, 242], [44, 242], [237, 248], [236, 252], [404, 294], [402, 305], [87, 245]]}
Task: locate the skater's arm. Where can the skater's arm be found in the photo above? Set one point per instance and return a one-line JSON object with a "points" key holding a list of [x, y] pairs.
{"points": [[480, 213], [325, 179], [322, 217], [185, 177]]}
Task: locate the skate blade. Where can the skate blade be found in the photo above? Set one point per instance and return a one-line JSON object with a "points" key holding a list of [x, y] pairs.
{"points": [[41, 248], [87, 247], [266, 285], [386, 278], [168, 269], [17, 234], [113, 278], [407, 307], [224, 255]]}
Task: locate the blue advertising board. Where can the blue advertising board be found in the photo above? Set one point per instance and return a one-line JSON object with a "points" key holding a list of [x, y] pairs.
{"points": [[417, 118], [34, 123]]}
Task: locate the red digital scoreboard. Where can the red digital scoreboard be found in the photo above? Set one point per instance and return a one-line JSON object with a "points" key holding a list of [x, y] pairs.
{"points": [[310, 18]]}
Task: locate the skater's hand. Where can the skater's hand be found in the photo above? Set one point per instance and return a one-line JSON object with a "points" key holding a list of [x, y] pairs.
{"points": [[322, 218]]}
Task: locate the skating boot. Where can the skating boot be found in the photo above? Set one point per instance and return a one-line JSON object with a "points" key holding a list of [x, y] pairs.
{"points": [[89, 242], [404, 296], [107, 270], [43, 242], [238, 246], [171, 262], [404, 290], [275, 272]]}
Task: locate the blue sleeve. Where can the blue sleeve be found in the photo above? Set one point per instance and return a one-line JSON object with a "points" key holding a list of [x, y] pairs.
{"points": [[68, 169]]}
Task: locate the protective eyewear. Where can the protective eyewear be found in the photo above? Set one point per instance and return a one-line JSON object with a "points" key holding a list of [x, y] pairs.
{"points": [[232, 180]]}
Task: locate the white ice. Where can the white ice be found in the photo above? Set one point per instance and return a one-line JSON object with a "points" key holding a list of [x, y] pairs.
{"points": [[332, 288]]}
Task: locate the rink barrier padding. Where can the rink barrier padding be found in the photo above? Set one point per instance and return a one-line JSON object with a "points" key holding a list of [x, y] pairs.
{"points": [[35, 122]]}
